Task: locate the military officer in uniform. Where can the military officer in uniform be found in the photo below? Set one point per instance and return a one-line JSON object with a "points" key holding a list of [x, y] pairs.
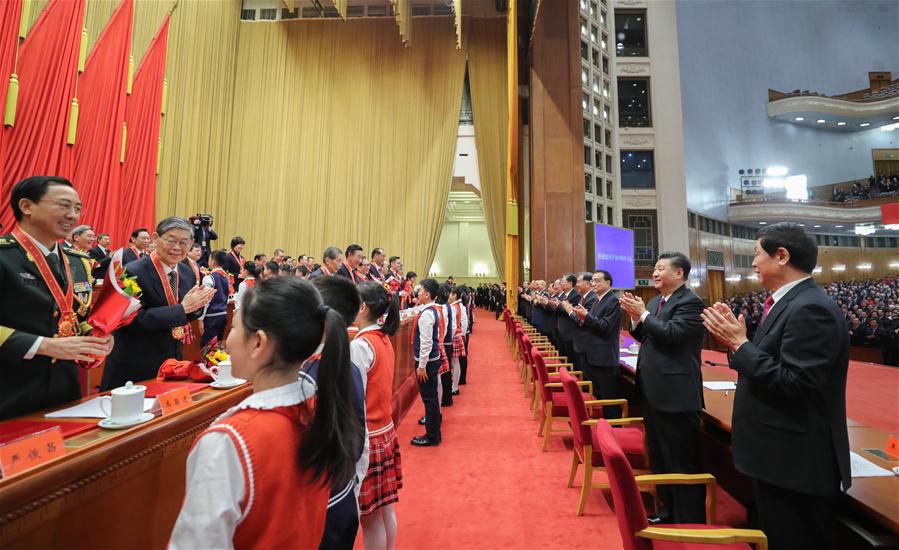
{"points": [[46, 292]]}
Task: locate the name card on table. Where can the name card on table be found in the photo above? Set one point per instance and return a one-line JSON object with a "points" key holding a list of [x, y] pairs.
{"points": [[175, 400], [30, 451]]}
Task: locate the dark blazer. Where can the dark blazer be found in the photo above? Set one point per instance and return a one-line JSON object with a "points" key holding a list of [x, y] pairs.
{"points": [[374, 274], [343, 271], [538, 314], [669, 376], [567, 327], [98, 254], [789, 422], [603, 327], [232, 266], [141, 347], [129, 256], [28, 311], [580, 336], [318, 272]]}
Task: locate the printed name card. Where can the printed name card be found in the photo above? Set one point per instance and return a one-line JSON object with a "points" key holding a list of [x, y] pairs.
{"points": [[30, 451], [175, 400]]}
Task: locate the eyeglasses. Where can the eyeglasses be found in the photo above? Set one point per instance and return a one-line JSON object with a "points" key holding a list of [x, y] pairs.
{"points": [[181, 243]]}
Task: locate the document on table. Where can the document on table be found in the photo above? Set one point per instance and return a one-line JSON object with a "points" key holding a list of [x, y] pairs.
{"points": [[631, 361], [624, 351], [862, 467], [719, 386], [90, 409]]}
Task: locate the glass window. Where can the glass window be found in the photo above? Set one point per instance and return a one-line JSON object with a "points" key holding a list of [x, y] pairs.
{"points": [[597, 79], [604, 42], [588, 183], [609, 166], [587, 155], [608, 141], [596, 108], [585, 51], [593, 9], [606, 113], [643, 223], [630, 33], [587, 126], [585, 103], [584, 27], [637, 170], [594, 34], [599, 186], [597, 159], [610, 216], [584, 5], [589, 210], [633, 103], [597, 134], [599, 213], [596, 58], [605, 89], [605, 65], [585, 76], [609, 188]]}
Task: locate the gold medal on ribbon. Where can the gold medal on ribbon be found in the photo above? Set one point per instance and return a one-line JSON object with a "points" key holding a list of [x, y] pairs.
{"points": [[68, 326], [178, 333]]}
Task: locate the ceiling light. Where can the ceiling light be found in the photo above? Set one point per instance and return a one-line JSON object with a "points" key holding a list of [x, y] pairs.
{"points": [[818, 269], [799, 119], [894, 265], [865, 124], [820, 121], [864, 230], [777, 170], [896, 118], [817, 226], [752, 277], [733, 279], [838, 267], [841, 124], [763, 223], [889, 127], [864, 266], [838, 226]]}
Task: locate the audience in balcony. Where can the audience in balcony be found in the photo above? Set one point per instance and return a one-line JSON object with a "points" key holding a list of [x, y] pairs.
{"points": [[883, 185], [870, 307]]}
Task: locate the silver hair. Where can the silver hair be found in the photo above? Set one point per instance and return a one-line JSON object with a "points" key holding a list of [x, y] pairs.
{"points": [[331, 253], [171, 223], [81, 229]]}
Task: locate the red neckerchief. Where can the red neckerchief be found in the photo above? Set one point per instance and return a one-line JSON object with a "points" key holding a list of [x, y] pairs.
{"points": [[227, 276], [350, 270], [64, 299], [251, 282]]}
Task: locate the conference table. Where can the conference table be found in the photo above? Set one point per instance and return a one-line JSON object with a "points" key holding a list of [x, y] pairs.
{"points": [[124, 488], [869, 511]]}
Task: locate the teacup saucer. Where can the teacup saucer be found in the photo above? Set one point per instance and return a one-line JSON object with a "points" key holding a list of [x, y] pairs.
{"points": [[108, 424], [219, 385]]}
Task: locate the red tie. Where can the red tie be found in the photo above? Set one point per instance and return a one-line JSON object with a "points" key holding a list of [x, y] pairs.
{"points": [[769, 303], [660, 306]]}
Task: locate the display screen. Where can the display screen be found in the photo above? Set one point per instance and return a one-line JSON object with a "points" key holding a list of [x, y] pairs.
{"points": [[614, 248]]}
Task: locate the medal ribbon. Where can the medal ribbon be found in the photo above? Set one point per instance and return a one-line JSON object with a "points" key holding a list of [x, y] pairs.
{"points": [[350, 270], [166, 287], [63, 300], [237, 259]]}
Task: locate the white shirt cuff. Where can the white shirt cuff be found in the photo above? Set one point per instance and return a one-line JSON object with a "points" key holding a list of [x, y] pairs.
{"points": [[644, 315], [32, 351]]}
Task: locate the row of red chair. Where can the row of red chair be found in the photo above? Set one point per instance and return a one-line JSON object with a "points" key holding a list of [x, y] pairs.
{"points": [[558, 394]]}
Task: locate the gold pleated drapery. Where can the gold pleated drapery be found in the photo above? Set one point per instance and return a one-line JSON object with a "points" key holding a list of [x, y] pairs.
{"points": [[340, 134], [489, 102]]}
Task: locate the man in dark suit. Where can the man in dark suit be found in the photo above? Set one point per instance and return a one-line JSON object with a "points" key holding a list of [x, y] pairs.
{"points": [[101, 251], [602, 326], [332, 258], [588, 297], [789, 421], [377, 264], [137, 246], [567, 327], [669, 381], [350, 265], [170, 299], [38, 344]]}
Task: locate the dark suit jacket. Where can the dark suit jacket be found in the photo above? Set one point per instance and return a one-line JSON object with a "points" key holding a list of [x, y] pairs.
{"points": [[669, 376], [567, 327], [97, 253], [232, 266], [103, 260], [344, 272], [580, 336], [317, 273], [603, 328], [374, 274], [128, 256], [789, 422], [141, 347]]}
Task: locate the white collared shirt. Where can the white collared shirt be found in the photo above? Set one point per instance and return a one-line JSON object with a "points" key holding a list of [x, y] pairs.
{"points": [[211, 510], [32, 351], [645, 314], [362, 354], [425, 335], [782, 291]]}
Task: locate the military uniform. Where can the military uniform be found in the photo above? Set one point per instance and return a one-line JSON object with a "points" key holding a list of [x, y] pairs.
{"points": [[28, 311]]}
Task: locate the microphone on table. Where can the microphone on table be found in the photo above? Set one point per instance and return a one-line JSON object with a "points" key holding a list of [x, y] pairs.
{"points": [[715, 364]]}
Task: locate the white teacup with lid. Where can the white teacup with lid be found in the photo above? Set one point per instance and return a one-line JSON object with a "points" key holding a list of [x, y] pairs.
{"points": [[125, 404]]}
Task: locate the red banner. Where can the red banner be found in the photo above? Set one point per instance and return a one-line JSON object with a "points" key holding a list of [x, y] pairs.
{"points": [[890, 213]]}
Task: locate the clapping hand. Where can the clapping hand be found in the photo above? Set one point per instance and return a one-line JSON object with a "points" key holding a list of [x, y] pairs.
{"points": [[580, 310], [633, 306], [567, 307], [724, 326], [197, 298]]}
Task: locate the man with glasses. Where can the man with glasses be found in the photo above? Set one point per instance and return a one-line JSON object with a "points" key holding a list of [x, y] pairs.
{"points": [[602, 326], [170, 300], [42, 329]]}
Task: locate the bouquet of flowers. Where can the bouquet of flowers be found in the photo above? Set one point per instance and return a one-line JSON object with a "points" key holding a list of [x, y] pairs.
{"points": [[116, 304]]}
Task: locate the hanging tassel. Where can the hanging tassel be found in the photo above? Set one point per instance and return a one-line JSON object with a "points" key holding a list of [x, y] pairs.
{"points": [[73, 122], [130, 73], [26, 18], [165, 95], [82, 55], [124, 140], [12, 97], [158, 155]]}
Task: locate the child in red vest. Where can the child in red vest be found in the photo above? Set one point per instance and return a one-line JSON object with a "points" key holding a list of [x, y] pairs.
{"points": [[373, 352], [260, 475]]}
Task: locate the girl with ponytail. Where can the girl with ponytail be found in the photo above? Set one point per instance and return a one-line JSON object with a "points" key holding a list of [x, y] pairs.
{"points": [[261, 474], [373, 352]]}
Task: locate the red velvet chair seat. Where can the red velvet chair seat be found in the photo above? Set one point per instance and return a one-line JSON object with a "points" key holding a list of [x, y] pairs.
{"points": [[560, 404], [631, 441], [665, 545]]}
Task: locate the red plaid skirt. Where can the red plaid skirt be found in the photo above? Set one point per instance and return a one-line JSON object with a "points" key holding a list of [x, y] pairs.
{"points": [[385, 473], [459, 347], [444, 361]]}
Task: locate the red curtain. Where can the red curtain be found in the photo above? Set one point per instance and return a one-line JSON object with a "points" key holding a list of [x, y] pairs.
{"points": [[10, 13], [48, 66], [102, 91], [141, 149]]}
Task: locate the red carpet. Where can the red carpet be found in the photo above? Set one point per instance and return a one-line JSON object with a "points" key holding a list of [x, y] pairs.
{"points": [[489, 485]]}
